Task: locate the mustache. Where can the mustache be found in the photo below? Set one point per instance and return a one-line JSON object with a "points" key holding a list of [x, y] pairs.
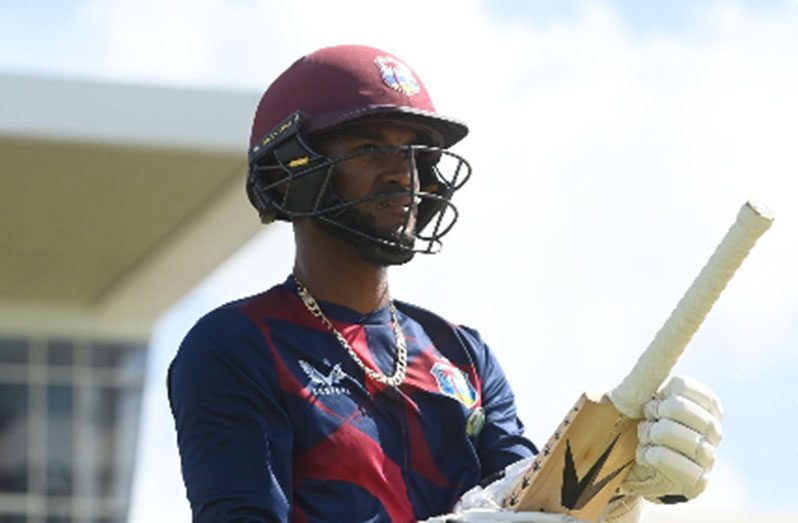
{"points": [[402, 197]]}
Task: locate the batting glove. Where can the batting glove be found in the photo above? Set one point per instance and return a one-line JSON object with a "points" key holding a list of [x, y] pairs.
{"points": [[491, 495], [676, 443], [483, 504], [477, 515]]}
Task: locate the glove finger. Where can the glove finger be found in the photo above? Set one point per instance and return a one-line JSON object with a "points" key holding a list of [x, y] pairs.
{"points": [[677, 437], [687, 412], [680, 469], [645, 480], [698, 488], [700, 393]]}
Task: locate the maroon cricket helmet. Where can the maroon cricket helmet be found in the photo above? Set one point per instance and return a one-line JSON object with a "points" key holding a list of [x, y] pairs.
{"points": [[339, 85], [326, 91]]}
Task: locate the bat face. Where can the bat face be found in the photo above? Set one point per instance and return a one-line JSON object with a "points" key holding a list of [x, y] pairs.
{"points": [[582, 464]]}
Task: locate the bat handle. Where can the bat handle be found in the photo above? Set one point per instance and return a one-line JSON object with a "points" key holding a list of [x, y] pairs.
{"points": [[655, 364]]}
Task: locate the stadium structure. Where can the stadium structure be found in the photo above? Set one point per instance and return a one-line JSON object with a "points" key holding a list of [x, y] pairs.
{"points": [[114, 202]]}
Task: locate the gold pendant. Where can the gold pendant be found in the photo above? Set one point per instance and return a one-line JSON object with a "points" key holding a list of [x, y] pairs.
{"points": [[475, 422]]}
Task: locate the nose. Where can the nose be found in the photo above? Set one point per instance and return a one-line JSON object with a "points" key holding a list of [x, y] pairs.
{"points": [[400, 169]]}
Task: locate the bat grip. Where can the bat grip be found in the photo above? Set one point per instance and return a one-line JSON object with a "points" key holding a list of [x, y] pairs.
{"points": [[655, 364]]}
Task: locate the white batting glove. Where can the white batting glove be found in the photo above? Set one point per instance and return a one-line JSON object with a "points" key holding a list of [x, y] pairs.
{"points": [[491, 495], [484, 504], [477, 515], [676, 443], [623, 509]]}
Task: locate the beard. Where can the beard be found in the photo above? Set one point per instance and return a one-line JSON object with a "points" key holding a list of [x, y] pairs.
{"points": [[373, 244]]}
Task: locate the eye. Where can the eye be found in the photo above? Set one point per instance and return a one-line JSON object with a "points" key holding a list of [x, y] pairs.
{"points": [[365, 147]]}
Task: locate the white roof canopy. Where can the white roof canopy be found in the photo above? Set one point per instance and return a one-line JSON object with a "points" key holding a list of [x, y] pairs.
{"points": [[115, 200]]}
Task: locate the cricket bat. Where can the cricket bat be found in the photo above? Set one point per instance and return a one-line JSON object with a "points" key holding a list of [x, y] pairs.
{"points": [[582, 464]]}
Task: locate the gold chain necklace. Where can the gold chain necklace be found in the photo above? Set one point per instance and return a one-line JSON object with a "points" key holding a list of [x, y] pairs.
{"points": [[401, 345]]}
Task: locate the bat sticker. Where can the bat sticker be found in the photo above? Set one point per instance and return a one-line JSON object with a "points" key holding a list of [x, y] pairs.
{"points": [[576, 493]]}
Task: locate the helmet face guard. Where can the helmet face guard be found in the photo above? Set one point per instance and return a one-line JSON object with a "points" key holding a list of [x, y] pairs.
{"points": [[288, 179]]}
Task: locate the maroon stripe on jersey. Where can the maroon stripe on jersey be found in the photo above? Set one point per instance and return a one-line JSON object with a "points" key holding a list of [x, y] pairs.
{"points": [[421, 458], [419, 370], [355, 335], [352, 456], [282, 304], [298, 515], [287, 380]]}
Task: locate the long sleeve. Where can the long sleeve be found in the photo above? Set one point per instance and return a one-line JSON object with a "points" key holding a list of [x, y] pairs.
{"points": [[502, 440], [234, 436]]}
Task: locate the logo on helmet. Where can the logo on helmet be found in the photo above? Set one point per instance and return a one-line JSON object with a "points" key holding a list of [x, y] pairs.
{"points": [[397, 75]]}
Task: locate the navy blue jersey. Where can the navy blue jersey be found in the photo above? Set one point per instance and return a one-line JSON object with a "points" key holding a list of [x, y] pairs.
{"points": [[276, 421]]}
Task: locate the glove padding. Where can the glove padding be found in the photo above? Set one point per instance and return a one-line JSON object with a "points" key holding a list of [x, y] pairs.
{"points": [[491, 495], [623, 509], [484, 515], [483, 504], [676, 443]]}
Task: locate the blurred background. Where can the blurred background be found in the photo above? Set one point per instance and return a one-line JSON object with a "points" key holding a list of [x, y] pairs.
{"points": [[612, 143]]}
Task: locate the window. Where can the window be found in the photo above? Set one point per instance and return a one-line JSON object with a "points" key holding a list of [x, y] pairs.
{"points": [[60, 428], [69, 411], [13, 350], [13, 437]]}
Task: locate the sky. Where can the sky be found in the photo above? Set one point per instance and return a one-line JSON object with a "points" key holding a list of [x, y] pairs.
{"points": [[612, 145]]}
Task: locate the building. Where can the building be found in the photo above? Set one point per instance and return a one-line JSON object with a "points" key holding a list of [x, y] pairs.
{"points": [[114, 202]]}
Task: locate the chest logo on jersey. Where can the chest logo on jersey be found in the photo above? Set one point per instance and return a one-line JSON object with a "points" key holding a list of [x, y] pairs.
{"points": [[324, 385], [454, 383]]}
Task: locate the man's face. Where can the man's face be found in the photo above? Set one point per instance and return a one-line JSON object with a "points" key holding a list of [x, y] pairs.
{"points": [[384, 177]]}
